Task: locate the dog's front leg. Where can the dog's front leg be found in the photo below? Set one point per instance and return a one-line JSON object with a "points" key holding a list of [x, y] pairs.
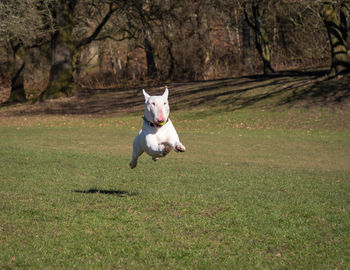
{"points": [[158, 150], [161, 150], [179, 147], [175, 143], [173, 139]]}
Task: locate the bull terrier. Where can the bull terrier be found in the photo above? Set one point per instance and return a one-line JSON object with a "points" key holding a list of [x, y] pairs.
{"points": [[158, 135]]}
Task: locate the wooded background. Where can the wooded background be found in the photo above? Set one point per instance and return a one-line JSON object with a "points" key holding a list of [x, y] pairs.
{"points": [[50, 48]]}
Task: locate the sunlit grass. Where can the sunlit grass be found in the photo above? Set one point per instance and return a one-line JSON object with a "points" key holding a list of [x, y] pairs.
{"points": [[256, 189]]}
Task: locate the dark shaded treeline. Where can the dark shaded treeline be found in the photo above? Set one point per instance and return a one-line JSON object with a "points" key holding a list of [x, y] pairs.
{"points": [[51, 48]]}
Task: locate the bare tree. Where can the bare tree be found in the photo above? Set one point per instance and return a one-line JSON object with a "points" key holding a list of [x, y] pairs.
{"points": [[163, 39], [67, 42], [337, 28], [138, 22], [255, 20], [63, 26], [23, 25]]}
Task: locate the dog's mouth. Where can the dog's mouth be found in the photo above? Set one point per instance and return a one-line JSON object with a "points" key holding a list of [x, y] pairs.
{"points": [[155, 123], [159, 125]]}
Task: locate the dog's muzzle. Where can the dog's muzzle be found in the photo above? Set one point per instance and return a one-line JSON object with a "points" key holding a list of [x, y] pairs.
{"points": [[157, 125]]}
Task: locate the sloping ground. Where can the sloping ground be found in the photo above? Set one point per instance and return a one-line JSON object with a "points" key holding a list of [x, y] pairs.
{"points": [[282, 89]]}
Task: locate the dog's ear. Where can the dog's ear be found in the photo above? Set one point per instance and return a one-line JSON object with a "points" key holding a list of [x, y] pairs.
{"points": [[166, 93], [147, 96]]}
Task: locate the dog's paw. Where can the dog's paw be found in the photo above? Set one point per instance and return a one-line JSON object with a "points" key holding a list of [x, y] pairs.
{"points": [[132, 164], [154, 158], [166, 150], [180, 148]]}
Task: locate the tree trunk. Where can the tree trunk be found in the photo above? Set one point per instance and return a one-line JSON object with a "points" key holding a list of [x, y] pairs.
{"points": [[62, 53], [264, 50], [337, 34], [172, 60], [261, 38], [17, 88], [151, 65], [247, 51], [65, 52], [344, 21]]}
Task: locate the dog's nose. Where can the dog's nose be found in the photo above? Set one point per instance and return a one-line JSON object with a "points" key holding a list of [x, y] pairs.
{"points": [[160, 119]]}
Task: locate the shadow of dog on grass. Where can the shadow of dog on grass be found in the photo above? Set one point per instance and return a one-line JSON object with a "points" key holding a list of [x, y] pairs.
{"points": [[120, 193]]}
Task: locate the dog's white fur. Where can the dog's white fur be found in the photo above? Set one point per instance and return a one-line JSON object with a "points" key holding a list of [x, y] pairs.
{"points": [[155, 139]]}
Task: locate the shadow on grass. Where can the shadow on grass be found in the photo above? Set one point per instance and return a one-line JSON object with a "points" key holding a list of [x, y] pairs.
{"points": [[120, 193], [281, 88], [246, 91], [327, 91]]}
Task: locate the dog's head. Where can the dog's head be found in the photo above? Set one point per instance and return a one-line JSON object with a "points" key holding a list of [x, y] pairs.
{"points": [[157, 108]]}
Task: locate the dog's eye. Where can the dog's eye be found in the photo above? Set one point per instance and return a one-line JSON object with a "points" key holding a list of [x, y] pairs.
{"points": [[164, 103], [154, 104]]}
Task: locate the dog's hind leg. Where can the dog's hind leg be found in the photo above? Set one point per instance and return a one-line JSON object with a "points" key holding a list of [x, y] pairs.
{"points": [[135, 156], [136, 152]]}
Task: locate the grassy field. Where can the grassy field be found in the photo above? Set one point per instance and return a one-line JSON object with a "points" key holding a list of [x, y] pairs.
{"points": [[258, 188]]}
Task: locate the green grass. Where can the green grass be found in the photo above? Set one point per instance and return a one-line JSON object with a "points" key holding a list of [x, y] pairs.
{"points": [[264, 183], [256, 190]]}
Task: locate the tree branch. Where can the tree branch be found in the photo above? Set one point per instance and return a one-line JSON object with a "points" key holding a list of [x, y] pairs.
{"points": [[98, 29], [247, 19]]}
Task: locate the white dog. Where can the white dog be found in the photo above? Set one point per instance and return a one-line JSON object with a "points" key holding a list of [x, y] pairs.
{"points": [[158, 135]]}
